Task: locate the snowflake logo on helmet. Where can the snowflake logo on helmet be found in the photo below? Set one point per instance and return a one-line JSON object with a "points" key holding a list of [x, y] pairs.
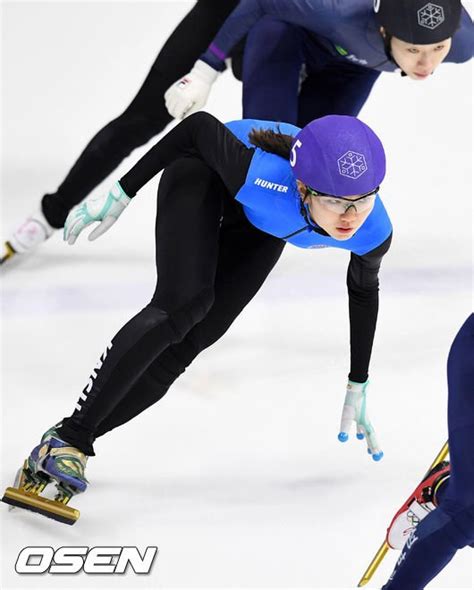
{"points": [[352, 165], [430, 16]]}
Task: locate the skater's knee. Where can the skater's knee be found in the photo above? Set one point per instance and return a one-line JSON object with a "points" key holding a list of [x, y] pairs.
{"points": [[172, 362], [184, 316], [272, 39], [178, 357], [271, 32], [175, 321], [193, 312], [273, 43], [460, 367], [460, 527]]}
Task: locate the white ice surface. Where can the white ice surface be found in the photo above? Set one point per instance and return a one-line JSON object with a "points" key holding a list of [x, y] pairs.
{"points": [[236, 475]]}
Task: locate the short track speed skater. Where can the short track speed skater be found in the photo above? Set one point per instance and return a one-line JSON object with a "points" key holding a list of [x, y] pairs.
{"points": [[53, 461]]}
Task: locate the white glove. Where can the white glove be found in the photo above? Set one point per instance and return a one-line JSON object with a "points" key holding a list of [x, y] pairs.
{"points": [[189, 94], [105, 208], [355, 410], [32, 232]]}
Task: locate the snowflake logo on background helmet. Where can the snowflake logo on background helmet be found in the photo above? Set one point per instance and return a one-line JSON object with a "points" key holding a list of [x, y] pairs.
{"points": [[431, 16], [352, 165]]}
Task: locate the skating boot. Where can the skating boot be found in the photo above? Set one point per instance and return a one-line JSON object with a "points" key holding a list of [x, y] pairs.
{"points": [[419, 504], [32, 232], [52, 461]]}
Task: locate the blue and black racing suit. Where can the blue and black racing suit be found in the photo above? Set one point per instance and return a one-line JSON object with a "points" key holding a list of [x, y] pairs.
{"points": [[225, 212]]}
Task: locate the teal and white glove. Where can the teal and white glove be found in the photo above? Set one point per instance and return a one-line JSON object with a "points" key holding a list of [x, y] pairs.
{"points": [[355, 410], [105, 208]]}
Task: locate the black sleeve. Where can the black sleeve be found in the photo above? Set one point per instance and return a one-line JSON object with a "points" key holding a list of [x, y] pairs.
{"points": [[363, 287], [200, 135]]}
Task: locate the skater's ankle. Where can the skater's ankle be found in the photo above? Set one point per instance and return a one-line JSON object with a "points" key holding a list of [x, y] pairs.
{"points": [[77, 436]]}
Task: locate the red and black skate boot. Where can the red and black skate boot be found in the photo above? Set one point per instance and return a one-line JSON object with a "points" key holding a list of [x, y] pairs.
{"points": [[420, 503]]}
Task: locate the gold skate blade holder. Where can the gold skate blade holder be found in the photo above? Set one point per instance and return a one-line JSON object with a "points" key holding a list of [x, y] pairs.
{"points": [[8, 252], [374, 564], [49, 508]]}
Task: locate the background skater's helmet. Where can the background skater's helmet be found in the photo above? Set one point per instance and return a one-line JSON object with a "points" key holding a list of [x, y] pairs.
{"points": [[419, 21], [338, 155]]}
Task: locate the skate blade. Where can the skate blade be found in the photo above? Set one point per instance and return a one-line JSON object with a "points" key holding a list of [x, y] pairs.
{"points": [[44, 506], [8, 252], [18, 483]]}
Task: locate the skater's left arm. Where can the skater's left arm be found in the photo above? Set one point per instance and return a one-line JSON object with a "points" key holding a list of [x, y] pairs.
{"points": [[363, 288]]}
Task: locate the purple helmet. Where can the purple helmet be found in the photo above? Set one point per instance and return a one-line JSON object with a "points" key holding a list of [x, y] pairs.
{"points": [[338, 155]]}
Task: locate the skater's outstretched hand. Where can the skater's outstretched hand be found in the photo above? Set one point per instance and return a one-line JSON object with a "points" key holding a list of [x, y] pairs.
{"points": [[189, 94], [355, 410], [105, 208]]}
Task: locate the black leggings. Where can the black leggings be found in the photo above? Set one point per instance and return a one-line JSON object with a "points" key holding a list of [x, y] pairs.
{"points": [[211, 262], [146, 116]]}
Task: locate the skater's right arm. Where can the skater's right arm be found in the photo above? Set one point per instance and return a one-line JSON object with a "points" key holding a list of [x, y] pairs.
{"points": [[189, 94], [200, 135]]}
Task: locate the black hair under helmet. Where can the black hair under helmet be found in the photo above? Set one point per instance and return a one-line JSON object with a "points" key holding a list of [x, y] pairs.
{"points": [[418, 21]]}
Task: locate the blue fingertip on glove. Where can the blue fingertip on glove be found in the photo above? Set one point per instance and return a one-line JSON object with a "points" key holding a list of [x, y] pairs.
{"points": [[377, 456], [343, 436], [360, 435]]}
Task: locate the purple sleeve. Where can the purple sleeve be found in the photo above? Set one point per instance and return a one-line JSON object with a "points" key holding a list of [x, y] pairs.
{"points": [[237, 25]]}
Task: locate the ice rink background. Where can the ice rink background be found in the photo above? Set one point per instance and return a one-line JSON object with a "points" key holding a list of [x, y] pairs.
{"points": [[236, 475]]}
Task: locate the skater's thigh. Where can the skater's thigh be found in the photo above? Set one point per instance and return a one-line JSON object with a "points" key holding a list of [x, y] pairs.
{"points": [[327, 92], [460, 492], [271, 71], [461, 418], [246, 258], [189, 211], [461, 377], [272, 44]]}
